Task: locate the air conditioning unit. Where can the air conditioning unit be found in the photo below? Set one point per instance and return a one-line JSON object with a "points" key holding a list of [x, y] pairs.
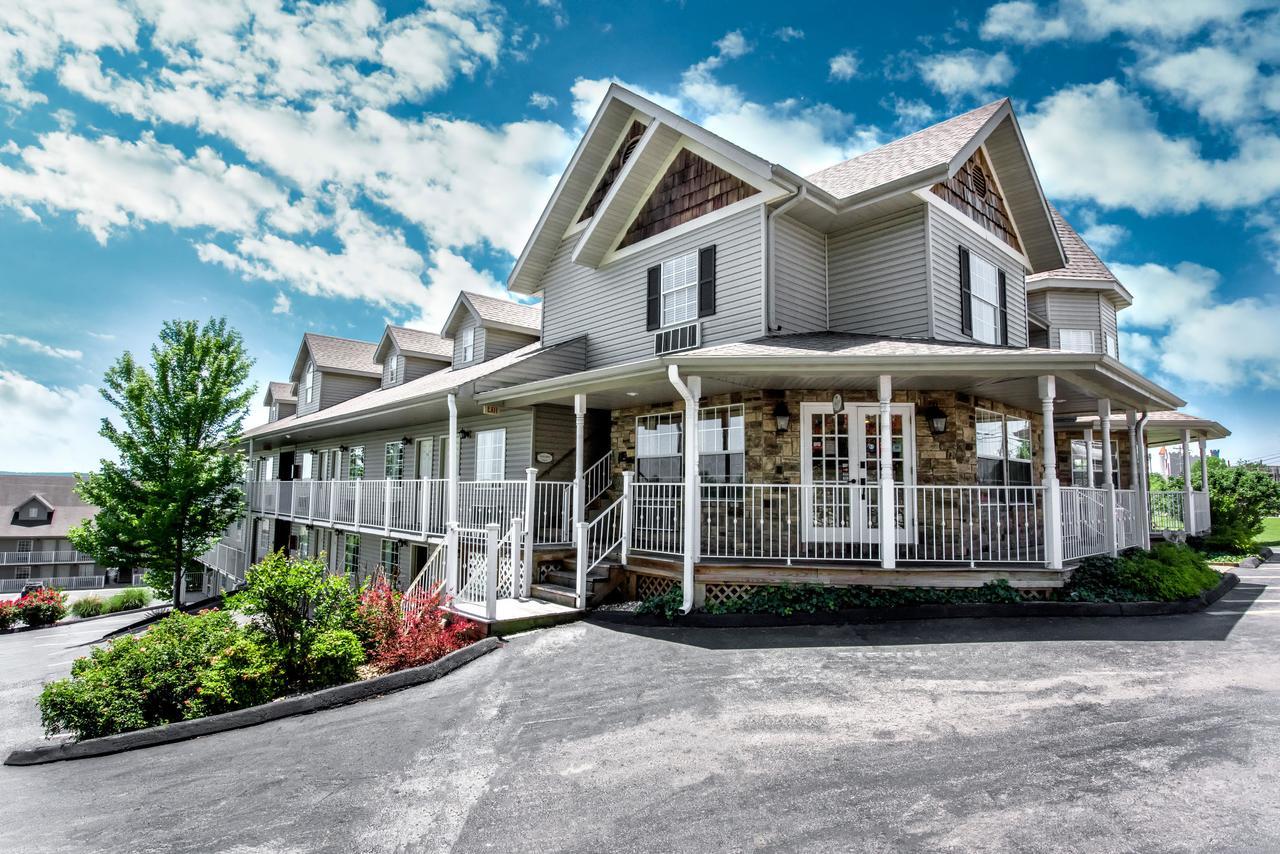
{"points": [[675, 339]]}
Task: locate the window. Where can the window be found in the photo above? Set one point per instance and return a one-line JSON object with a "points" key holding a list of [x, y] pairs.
{"points": [[468, 344], [491, 454], [1076, 340], [984, 299], [304, 542], [24, 546], [1004, 449], [393, 368], [309, 382], [275, 412], [355, 463], [390, 558], [33, 512], [22, 572], [721, 445], [1082, 452], [1112, 350], [680, 289], [308, 465], [394, 458], [351, 554]]}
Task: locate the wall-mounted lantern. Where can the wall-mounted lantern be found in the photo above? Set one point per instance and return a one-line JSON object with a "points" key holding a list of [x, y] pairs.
{"points": [[782, 416], [464, 433], [937, 419]]}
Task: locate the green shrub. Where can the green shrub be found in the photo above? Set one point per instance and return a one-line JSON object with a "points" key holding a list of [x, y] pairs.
{"points": [[127, 600], [87, 606], [44, 607], [1240, 499], [8, 614], [333, 657], [1166, 573], [246, 673], [1097, 579], [667, 604], [789, 599], [139, 681]]}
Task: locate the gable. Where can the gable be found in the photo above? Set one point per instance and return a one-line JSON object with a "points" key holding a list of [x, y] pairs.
{"points": [[691, 187], [626, 146], [33, 511], [974, 191]]}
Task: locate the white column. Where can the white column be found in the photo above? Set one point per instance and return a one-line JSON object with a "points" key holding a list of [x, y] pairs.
{"points": [[516, 533], [1188, 520], [530, 507], [580, 540], [1104, 417], [1088, 458], [579, 433], [451, 498], [1048, 388], [1204, 464], [627, 515], [888, 515], [1131, 421], [1144, 482]]}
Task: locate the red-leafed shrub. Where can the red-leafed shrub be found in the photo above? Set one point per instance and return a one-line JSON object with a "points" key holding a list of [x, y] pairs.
{"points": [[409, 631], [43, 607], [8, 614]]}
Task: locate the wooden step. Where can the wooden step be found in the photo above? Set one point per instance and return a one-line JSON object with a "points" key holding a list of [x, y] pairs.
{"points": [[557, 593]]}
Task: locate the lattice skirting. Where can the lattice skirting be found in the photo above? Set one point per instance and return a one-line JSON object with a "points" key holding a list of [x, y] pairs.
{"points": [[717, 594], [653, 585]]}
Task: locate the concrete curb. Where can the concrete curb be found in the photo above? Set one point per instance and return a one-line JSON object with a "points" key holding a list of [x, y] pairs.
{"points": [[925, 612], [302, 704], [75, 621]]}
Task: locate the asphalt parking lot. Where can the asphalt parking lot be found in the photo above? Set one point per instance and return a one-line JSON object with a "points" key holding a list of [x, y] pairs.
{"points": [[1121, 734]]}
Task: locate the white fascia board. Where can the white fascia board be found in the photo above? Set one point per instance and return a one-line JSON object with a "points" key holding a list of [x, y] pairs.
{"points": [[1119, 291]]}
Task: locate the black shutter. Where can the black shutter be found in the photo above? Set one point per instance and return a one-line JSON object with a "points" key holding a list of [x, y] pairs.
{"points": [[966, 292], [653, 318], [1004, 309], [707, 281]]}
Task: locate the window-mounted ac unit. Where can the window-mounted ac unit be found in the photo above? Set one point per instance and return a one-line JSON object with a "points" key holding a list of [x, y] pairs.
{"points": [[675, 339]]}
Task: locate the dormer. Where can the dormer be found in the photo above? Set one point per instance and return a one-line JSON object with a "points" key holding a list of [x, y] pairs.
{"points": [[330, 370], [484, 327], [33, 512], [281, 400], [1077, 304], [406, 354]]}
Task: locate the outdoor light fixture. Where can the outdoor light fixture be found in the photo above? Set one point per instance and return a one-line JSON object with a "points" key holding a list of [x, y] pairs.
{"points": [[937, 420], [406, 441], [783, 416], [464, 433], [342, 448]]}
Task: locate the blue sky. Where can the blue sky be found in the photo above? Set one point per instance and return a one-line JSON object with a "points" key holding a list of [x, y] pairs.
{"points": [[333, 166]]}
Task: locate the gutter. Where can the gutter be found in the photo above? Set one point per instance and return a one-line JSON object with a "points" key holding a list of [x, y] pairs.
{"points": [[690, 487], [770, 312]]}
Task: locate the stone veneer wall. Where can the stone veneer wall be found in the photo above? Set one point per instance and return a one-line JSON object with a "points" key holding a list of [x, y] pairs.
{"points": [[948, 459]]}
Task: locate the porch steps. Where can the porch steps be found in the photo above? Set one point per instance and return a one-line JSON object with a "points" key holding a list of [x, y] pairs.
{"points": [[559, 585]]}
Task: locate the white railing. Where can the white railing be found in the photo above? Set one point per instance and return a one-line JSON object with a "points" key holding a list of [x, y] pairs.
{"points": [[970, 524], [53, 556], [1084, 522], [472, 555], [346, 495], [553, 512], [226, 559], [1200, 512], [427, 582], [1168, 510], [657, 521], [65, 582], [598, 478], [371, 504], [597, 539], [490, 502], [786, 521], [508, 580], [1129, 528]]}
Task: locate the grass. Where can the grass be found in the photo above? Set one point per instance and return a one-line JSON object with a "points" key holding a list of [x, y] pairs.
{"points": [[1270, 533]]}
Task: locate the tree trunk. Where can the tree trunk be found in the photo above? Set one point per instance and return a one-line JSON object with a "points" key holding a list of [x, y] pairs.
{"points": [[177, 582]]}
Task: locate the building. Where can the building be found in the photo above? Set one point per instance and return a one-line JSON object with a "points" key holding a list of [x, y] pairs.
{"points": [[886, 362], [36, 512]]}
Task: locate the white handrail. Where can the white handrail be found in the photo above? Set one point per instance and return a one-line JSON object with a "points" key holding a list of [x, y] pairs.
{"points": [[598, 539], [1084, 522], [44, 556], [1168, 510], [427, 582], [598, 478]]}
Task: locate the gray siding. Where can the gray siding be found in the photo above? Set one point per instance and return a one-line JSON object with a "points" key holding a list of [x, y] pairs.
{"points": [[554, 431], [946, 236], [500, 341], [478, 354], [415, 367], [878, 277], [1038, 304], [608, 304], [336, 388], [1075, 310], [800, 277], [305, 408]]}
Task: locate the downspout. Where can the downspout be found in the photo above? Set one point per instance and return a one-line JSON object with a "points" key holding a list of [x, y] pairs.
{"points": [[770, 313], [1144, 484], [690, 397]]}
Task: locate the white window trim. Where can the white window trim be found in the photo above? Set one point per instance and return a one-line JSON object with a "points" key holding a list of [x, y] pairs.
{"points": [[689, 260], [30, 546], [676, 417], [1082, 334], [386, 453], [309, 381], [364, 463], [975, 299], [468, 344], [1111, 345], [1004, 457], [501, 460], [393, 365]]}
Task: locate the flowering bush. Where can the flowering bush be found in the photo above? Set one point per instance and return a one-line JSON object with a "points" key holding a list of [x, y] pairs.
{"points": [[410, 631], [8, 614], [43, 607]]}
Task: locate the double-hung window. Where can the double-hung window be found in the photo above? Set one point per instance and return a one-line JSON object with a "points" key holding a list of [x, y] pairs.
{"points": [[355, 463], [394, 459], [309, 382], [24, 546], [1077, 340], [304, 542], [1112, 349], [491, 447], [308, 465], [1004, 449], [393, 370], [680, 289], [721, 445], [1086, 456], [390, 558], [984, 299], [351, 554], [468, 344]]}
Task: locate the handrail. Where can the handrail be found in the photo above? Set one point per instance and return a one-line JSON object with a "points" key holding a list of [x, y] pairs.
{"points": [[598, 539], [427, 582], [598, 478], [44, 556]]}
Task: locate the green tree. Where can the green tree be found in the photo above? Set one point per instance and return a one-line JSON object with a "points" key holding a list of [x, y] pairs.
{"points": [[1240, 497], [176, 485]]}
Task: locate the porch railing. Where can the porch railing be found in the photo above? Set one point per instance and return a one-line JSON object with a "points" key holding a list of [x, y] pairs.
{"points": [[657, 522], [226, 559], [48, 556], [1168, 510], [553, 512], [787, 521], [1128, 519], [1084, 522], [970, 524], [490, 502], [63, 582], [597, 539], [598, 478], [1200, 513], [428, 581]]}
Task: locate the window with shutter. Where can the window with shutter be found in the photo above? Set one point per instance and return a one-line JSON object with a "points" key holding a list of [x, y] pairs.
{"points": [[653, 302], [984, 300], [680, 288], [707, 281], [966, 307]]}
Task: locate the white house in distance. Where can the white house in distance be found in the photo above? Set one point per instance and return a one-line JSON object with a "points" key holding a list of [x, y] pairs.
{"points": [[737, 375]]}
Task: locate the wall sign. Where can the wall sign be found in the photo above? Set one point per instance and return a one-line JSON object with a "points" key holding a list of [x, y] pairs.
{"points": [[837, 403], [545, 457]]}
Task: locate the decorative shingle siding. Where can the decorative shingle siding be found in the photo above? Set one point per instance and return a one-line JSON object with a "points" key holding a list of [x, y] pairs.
{"points": [[691, 187], [878, 276], [800, 276], [973, 192], [608, 305], [946, 235]]}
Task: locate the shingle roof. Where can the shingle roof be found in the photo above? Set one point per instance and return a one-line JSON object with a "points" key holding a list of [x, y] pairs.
{"points": [[1082, 262], [55, 491], [282, 392], [925, 149], [493, 310], [343, 354], [416, 342]]}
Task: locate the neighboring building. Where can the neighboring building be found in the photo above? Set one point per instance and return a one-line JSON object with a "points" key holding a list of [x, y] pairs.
{"points": [[36, 512], [885, 361]]}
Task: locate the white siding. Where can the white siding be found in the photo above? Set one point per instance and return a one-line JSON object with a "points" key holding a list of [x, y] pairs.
{"points": [[878, 277], [608, 304], [800, 277], [946, 236]]}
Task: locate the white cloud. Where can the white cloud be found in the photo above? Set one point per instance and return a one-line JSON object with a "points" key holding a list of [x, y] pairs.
{"points": [[788, 34], [842, 66], [1101, 236], [1023, 22], [1132, 163], [7, 338], [733, 45], [966, 73], [101, 336], [1032, 23], [1163, 294], [542, 101], [32, 35], [282, 304], [450, 274], [48, 428], [912, 114], [1218, 82]]}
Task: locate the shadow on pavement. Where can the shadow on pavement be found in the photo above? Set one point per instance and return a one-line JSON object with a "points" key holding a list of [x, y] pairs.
{"points": [[1215, 623]]}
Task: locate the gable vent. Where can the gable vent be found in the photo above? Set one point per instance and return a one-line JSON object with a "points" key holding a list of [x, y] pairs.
{"points": [[978, 180], [630, 148], [673, 340]]}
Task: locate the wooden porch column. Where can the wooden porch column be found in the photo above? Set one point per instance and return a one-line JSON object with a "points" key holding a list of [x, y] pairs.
{"points": [[1104, 416], [1048, 388], [451, 498], [888, 520], [579, 437], [1188, 517]]}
